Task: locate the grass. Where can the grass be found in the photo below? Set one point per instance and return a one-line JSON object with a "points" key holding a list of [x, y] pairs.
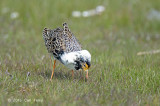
{"points": [[117, 75]]}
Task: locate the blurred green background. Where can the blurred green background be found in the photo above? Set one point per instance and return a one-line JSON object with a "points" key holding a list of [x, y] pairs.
{"points": [[117, 76]]}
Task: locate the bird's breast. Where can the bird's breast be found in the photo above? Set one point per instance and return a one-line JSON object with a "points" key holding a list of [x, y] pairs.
{"points": [[68, 59]]}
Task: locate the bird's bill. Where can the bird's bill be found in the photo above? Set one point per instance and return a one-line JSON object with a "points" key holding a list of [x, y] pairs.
{"points": [[85, 68]]}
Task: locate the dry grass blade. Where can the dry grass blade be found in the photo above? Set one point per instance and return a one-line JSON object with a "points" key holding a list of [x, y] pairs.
{"points": [[148, 52]]}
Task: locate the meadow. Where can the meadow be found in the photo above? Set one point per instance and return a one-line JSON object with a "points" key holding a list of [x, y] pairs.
{"points": [[118, 76]]}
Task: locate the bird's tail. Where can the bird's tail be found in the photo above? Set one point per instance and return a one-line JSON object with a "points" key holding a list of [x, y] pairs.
{"points": [[46, 33], [66, 28], [47, 36]]}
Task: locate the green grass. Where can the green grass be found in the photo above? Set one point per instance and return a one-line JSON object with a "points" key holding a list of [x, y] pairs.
{"points": [[117, 75]]}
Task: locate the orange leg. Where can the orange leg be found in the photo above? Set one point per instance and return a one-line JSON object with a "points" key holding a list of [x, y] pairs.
{"points": [[72, 74], [87, 74], [53, 69]]}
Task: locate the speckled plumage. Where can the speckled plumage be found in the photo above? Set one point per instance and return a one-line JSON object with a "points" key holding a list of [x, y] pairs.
{"points": [[65, 47], [60, 40]]}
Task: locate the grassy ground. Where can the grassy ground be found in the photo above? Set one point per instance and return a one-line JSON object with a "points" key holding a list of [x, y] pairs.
{"points": [[117, 75]]}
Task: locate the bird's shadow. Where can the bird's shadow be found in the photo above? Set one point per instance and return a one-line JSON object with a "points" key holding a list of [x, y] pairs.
{"points": [[61, 75]]}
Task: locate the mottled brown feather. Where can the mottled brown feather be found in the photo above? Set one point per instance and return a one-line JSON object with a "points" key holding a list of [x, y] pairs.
{"points": [[60, 40]]}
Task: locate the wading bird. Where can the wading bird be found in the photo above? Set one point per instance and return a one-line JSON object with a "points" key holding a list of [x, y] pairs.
{"points": [[64, 46]]}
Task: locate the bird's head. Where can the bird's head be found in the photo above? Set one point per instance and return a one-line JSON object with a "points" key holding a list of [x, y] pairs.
{"points": [[83, 60]]}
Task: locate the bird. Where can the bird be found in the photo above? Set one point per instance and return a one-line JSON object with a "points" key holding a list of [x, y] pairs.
{"points": [[63, 45]]}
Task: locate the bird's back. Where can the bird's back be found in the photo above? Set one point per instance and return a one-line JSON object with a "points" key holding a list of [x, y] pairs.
{"points": [[60, 40]]}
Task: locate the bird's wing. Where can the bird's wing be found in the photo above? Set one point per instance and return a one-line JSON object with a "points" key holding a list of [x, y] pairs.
{"points": [[60, 40], [53, 41], [71, 43]]}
